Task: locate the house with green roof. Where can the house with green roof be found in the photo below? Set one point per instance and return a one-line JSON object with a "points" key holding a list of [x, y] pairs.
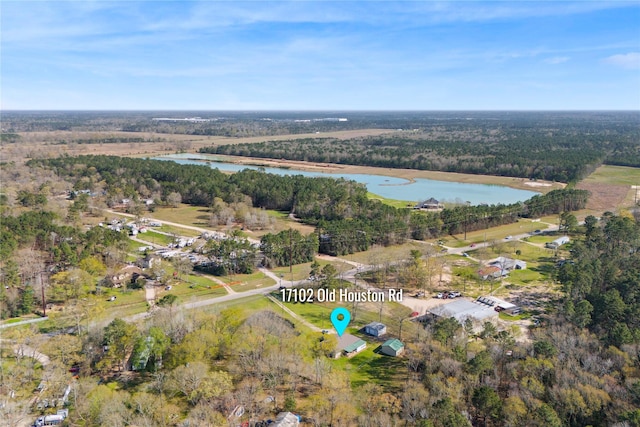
{"points": [[349, 345], [392, 347]]}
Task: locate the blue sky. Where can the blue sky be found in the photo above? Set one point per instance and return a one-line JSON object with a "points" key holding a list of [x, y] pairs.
{"points": [[330, 55]]}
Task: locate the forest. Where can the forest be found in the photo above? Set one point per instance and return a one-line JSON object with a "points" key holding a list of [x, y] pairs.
{"points": [[346, 220], [580, 367], [602, 281]]}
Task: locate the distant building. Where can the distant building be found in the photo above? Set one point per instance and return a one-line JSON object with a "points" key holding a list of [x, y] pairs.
{"points": [[375, 329], [429, 204], [558, 242], [393, 347], [492, 272], [508, 264]]}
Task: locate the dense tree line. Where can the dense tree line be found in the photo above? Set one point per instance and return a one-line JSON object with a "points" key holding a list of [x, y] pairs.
{"points": [[194, 368], [602, 279], [33, 245], [346, 220], [288, 247], [531, 146]]}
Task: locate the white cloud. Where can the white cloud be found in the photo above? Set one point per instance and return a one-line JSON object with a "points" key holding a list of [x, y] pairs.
{"points": [[556, 60], [629, 60]]}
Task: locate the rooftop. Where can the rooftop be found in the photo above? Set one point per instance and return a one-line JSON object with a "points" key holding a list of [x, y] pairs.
{"points": [[394, 343], [463, 309]]}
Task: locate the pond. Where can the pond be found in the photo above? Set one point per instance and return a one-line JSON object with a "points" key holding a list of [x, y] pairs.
{"points": [[385, 186]]}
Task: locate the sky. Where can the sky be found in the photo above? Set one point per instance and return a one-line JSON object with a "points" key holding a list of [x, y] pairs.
{"points": [[319, 55]]}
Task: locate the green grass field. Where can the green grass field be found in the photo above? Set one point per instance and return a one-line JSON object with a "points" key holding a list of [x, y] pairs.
{"points": [[156, 238], [616, 175], [247, 282], [400, 204]]}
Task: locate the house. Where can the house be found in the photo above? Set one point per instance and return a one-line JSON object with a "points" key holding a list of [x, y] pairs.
{"points": [[393, 347], [558, 242], [508, 264], [286, 419], [375, 329], [492, 272], [123, 276], [349, 345], [429, 204]]}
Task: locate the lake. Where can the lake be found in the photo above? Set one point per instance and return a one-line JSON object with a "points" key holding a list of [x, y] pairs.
{"points": [[385, 186]]}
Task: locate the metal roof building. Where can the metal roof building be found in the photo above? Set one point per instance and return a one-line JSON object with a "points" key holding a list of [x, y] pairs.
{"points": [[463, 309]]}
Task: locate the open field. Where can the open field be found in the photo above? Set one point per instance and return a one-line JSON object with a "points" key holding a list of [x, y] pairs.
{"points": [[247, 282], [380, 254], [198, 216], [611, 188], [50, 144]]}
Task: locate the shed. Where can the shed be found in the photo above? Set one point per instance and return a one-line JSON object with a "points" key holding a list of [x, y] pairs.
{"points": [[392, 347], [375, 329]]}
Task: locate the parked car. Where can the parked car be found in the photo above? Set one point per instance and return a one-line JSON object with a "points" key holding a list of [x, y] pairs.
{"points": [[464, 254], [508, 238], [454, 294], [537, 232], [167, 288], [440, 295], [111, 299]]}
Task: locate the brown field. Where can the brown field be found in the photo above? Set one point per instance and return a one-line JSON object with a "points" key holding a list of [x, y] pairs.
{"points": [[47, 144], [604, 197]]}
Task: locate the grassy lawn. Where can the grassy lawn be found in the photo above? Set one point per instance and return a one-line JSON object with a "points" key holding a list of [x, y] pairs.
{"points": [[197, 216], [248, 305], [194, 287], [541, 239], [617, 175], [495, 233], [400, 204], [380, 254], [369, 366], [134, 246], [157, 238], [247, 282]]}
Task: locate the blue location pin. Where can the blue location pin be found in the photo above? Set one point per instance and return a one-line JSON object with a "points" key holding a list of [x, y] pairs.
{"points": [[340, 325]]}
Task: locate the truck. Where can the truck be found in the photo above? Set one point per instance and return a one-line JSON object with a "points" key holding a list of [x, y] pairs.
{"points": [[51, 420]]}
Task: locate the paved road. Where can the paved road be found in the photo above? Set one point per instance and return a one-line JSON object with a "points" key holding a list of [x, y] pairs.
{"points": [[23, 322]]}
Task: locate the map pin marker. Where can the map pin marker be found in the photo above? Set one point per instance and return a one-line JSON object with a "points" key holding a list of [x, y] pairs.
{"points": [[340, 324]]}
